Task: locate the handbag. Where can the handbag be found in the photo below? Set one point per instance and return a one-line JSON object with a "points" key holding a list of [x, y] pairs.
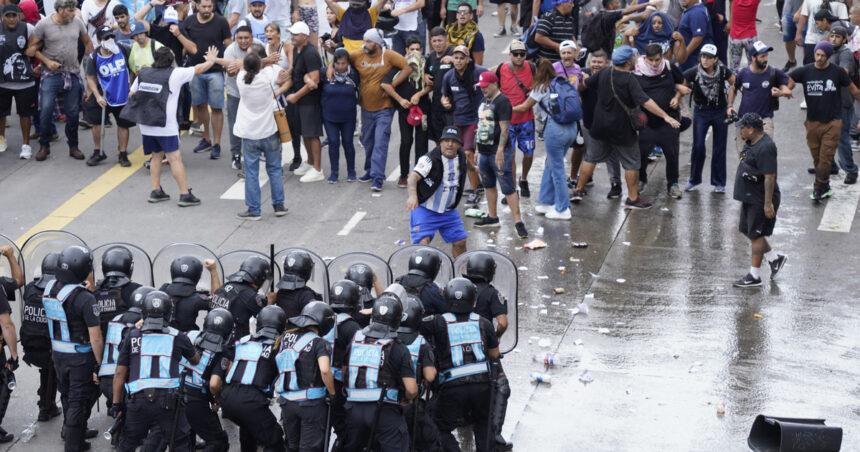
{"points": [[637, 117], [281, 120]]}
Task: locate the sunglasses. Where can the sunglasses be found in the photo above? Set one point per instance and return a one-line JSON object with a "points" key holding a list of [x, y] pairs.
{"points": [[518, 54], [463, 13]]}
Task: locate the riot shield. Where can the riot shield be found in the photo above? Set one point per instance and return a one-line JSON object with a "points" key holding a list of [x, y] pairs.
{"points": [[506, 282], [319, 277], [43, 243], [141, 272], [338, 266], [165, 256], [399, 263], [233, 260], [6, 270]]}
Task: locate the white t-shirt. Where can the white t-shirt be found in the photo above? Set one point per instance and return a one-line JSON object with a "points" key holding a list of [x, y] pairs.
{"points": [[179, 77], [408, 21], [539, 94], [284, 63], [809, 8], [254, 118], [89, 9], [279, 10]]}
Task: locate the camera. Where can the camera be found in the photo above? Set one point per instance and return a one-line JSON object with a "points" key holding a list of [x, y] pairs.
{"points": [[731, 118]]}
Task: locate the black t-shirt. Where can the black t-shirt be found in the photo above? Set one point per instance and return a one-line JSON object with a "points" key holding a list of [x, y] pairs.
{"points": [[308, 60], [490, 303], [603, 22], [182, 346], [407, 89], [661, 89], [163, 35], [709, 93], [490, 114], [589, 101], [756, 159], [611, 122], [221, 366], [437, 70], [822, 89], [212, 33], [4, 303], [8, 286]]}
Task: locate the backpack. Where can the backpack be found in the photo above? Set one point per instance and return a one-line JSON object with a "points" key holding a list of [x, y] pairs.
{"points": [[569, 106], [592, 37], [528, 38], [773, 83], [521, 85]]}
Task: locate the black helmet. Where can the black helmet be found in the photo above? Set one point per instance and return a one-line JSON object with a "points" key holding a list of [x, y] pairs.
{"points": [[298, 267], [49, 270], [217, 329], [344, 296], [481, 267], [360, 274], [186, 269], [156, 310], [460, 295], [74, 265], [386, 316], [413, 312], [118, 261], [425, 262], [271, 322], [254, 270], [315, 313], [137, 298], [387, 22]]}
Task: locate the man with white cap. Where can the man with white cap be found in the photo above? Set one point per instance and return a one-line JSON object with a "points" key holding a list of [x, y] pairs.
{"points": [[306, 96]]}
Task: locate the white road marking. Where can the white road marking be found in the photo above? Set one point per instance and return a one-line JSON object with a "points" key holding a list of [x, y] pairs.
{"points": [[352, 222], [841, 208], [237, 190], [394, 174]]}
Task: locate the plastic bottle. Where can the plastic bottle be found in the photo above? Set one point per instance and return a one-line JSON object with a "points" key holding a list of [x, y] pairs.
{"points": [[29, 432], [548, 359], [10, 381], [474, 213], [554, 107], [537, 377]]}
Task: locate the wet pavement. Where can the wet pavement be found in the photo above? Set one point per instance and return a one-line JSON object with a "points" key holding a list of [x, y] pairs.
{"points": [[666, 341]]}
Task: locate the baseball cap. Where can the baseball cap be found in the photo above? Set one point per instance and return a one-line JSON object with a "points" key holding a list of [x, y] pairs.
{"points": [[623, 54], [839, 30], [300, 28], [176, 2], [758, 47], [104, 32], [567, 44], [486, 78], [258, 1], [451, 133], [461, 49], [11, 8], [356, 2], [709, 49], [137, 27], [171, 16], [517, 45], [415, 115], [752, 120]]}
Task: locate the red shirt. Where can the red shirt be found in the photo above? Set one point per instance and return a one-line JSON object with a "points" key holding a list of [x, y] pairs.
{"points": [[511, 89], [743, 19]]}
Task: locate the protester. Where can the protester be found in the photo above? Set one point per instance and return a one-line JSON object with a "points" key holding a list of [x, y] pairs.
{"points": [[356, 20], [439, 62], [451, 12], [811, 35], [555, 27], [658, 29], [142, 48], [464, 32], [502, 7], [843, 57], [742, 31], [696, 30], [410, 23], [18, 81], [306, 98], [257, 19], [790, 18], [339, 100], [233, 61], [515, 81]]}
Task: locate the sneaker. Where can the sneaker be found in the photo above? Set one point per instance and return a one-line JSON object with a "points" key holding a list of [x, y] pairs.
{"points": [[84, 124], [834, 170], [556, 215], [674, 191], [500, 33], [777, 264], [504, 200], [473, 199], [826, 193], [43, 154], [577, 195], [401, 182], [248, 215], [524, 189], [3, 145], [614, 192], [653, 156], [295, 165], [590, 182], [521, 230], [803, 105], [26, 152], [122, 158], [850, 178], [571, 183], [487, 222], [76, 153], [543, 208], [313, 176], [215, 153], [280, 210], [97, 157], [332, 179], [158, 195], [788, 66], [6, 437], [365, 178], [720, 189], [515, 30], [689, 186], [351, 178], [54, 137], [810, 170], [639, 204], [147, 163], [236, 162], [748, 281], [303, 169], [376, 186], [188, 200], [816, 195], [202, 146]]}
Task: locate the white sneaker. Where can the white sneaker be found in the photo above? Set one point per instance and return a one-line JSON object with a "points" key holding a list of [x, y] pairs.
{"points": [[26, 152], [3, 145], [543, 208], [556, 215], [312, 176], [803, 105], [302, 169]]}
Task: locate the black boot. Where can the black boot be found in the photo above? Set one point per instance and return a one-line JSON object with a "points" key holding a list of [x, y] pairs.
{"points": [[97, 157]]}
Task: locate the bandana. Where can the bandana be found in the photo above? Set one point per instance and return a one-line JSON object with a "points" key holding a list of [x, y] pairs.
{"points": [[643, 68], [647, 35], [110, 46], [462, 36], [417, 61]]}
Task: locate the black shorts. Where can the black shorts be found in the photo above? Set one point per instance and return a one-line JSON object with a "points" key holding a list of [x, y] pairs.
{"points": [[309, 121], [25, 101], [439, 118], [502, 2], [93, 113], [754, 223]]}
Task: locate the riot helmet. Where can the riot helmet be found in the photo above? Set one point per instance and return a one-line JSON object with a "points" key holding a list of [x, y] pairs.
{"points": [[481, 267], [318, 314], [137, 298], [49, 270], [186, 269], [254, 270], [385, 318], [460, 295], [425, 262], [74, 265], [344, 296], [298, 267], [118, 262], [156, 311], [360, 274], [413, 313], [217, 329], [271, 322]]}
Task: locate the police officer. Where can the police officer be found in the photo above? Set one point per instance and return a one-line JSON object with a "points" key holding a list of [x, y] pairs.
{"points": [[148, 366], [367, 281], [185, 273], [250, 382], [422, 431], [305, 383], [36, 339], [465, 342], [9, 338], [491, 304], [293, 292], [424, 266], [379, 376], [344, 298], [205, 378], [114, 292], [239, 295], [76, 341]]}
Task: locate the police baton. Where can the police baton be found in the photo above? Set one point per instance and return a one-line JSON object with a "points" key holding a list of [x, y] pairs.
{"points": [[376, 414], [491, 435], [272, 265], [415, 416], [180, 395]]}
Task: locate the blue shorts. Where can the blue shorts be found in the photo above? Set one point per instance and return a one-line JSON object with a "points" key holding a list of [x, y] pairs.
{"points": [[208, 87], [490, 172], [160, 144], [523, 136], [424, 223], [789, 28]]}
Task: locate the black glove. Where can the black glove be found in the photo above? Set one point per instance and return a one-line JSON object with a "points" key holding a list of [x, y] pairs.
{"points": [[116, 409], [329, 399], [13, 364]]}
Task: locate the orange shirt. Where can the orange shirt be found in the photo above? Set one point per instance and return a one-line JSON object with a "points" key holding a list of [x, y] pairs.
{"points": [[371, 69]]}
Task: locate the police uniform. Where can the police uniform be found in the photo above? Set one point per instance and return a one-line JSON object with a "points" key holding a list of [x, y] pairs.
{"points": [[152, 358], [113, 299], [242, 301], [300, 388], [490, 302], [71, 310], [346, 328], [117, 331], [36, 341], [205, 422], [427, 435], [292, 301], [426, 290], [187, 303]]}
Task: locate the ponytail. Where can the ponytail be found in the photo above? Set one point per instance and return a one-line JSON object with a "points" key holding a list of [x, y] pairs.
{"points": [[251, 64]]}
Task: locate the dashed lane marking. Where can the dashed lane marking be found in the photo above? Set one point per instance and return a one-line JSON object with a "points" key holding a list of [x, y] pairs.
{"points": [[352, 223], [841, 208]]}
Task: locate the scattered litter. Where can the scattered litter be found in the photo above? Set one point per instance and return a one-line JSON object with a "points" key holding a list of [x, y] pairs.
{"points": [[619, 323], [534, 306], [391, 228], [555, 303], [537, 377], [629, 391], [579, 244], [558, 291], [589, 295], [400, 242], [548, 359], [506, 210], [521, 304], [573, 259], [758, 316], [585, 377], [603, 330], [664, 209], [516, 350], [545, 296], [578, 342], [625, 243], [539, 231], [543, 312], [593, 275], [377, 195], [676, 356], [535, 244], [721, 408], [489, 240], [535, 338], [474, 213], [545, 342], [523, 269], [566, 234], [543, 277], [621, 280], [491, 245]]}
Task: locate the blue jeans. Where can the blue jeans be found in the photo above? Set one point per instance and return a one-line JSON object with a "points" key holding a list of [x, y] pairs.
{"points": [[375, 134], [844, 154], [553, 186], [235, 142], [252, 149], [398, 40], [702, 119], [48, 91], [341, 133], [208, 87]]}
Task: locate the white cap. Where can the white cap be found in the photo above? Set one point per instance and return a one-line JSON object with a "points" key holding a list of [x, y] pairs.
{"points": [[171, 16], [709, 49], [300, 28]]}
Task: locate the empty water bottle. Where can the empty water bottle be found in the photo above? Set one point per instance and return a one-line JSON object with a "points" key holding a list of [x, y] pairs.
{"points": [[29, 432], [554, 107], [537, 377], [10, 380], [548, 359]]}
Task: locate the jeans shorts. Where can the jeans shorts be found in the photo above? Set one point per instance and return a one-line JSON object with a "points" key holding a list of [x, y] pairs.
{"points": [[523, 135], [490, 172], [424, 222], [208, 87]]}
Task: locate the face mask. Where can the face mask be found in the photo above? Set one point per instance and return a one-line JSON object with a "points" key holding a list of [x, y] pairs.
{"points": [[110, 46]]}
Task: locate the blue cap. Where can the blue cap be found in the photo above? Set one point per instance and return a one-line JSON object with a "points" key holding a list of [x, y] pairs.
{"points": [[136, 28], [622, 54]]}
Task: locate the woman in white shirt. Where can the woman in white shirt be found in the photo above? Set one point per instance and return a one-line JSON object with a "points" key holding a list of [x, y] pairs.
{"points": [[279, 53]]}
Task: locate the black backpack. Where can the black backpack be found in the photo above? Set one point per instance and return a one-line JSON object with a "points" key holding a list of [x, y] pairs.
{"points": [[592, 36]]}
